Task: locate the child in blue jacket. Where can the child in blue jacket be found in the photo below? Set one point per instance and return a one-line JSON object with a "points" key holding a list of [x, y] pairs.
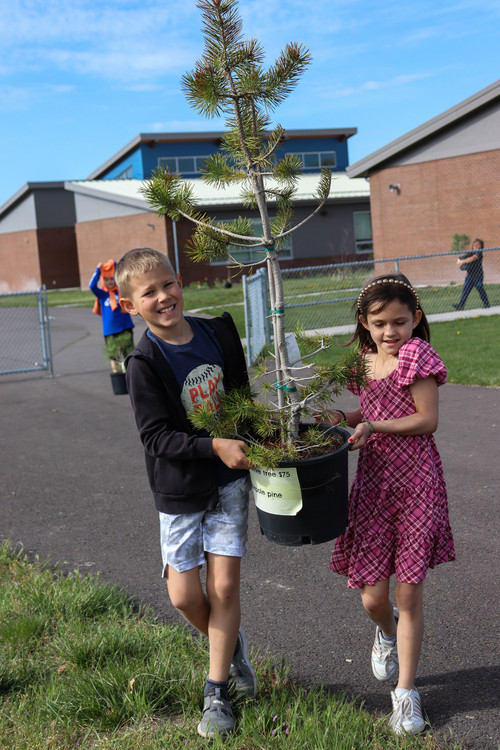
{"points": [[115, 322]]}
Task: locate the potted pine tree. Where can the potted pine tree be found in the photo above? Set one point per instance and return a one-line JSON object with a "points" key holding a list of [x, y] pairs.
{"points": [[300, 471], [116, 349]]}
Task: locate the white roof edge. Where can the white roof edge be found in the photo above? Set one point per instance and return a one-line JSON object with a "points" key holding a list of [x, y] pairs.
{"points": [[127, 192], [97, 190], [204, 135], [477, 100]]}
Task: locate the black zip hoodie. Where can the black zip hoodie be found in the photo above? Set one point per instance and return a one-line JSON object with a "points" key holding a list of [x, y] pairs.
{"points": [[180, 464]]}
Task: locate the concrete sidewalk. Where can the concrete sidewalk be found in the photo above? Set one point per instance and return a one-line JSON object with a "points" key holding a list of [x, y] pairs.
{"points": [[74, 490]]}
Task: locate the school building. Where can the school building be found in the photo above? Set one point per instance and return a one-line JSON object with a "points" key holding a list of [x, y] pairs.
{"points": [[56, 233], [408, 198], [440, 179]]}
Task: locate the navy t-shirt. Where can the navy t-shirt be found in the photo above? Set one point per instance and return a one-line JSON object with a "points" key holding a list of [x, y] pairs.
{"points": [[199, 369], [474, 267]]}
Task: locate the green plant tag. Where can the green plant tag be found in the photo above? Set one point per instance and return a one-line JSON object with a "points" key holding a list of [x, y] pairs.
{"points": [[277, 491]]}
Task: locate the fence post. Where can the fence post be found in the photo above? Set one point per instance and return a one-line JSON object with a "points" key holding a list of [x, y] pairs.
{"points": [[43, 308]]}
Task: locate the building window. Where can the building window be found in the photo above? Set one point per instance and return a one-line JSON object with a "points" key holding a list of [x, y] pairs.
{"points": [[363, 232], [127, 174], [256, 254], [316, 159], [184, 165]]}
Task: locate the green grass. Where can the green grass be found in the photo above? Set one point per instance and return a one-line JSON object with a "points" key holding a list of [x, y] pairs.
{"points": [[81, 666], [468, 347]]}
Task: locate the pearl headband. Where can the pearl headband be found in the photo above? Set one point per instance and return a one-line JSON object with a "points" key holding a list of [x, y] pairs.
{"points": [[388, 281]]}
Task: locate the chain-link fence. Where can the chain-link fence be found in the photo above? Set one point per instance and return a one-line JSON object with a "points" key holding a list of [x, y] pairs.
{"points": [[24, 333], [322, 297]]}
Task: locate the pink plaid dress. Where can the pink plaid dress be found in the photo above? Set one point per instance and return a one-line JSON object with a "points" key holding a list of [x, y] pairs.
{"points": [[398, 509]]}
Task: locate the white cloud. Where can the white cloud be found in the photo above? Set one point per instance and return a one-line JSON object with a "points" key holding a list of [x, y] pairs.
{"points": [[117, 39], [18, 98], [366, 86], [116, 62]]}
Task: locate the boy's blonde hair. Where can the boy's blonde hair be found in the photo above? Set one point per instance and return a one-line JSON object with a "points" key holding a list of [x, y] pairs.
{"points": [[137, 261]]}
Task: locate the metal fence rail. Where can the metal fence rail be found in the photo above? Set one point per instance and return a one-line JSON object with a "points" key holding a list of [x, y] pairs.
{"points": [[25, 333], [319, 298]]}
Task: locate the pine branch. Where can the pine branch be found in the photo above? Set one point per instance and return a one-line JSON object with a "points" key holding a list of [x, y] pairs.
{"points": [[218, 171], [283, 76]]}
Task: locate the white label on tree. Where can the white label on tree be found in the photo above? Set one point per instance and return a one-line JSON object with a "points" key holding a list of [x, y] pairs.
{"points": [[277, 491], [293, 352]]}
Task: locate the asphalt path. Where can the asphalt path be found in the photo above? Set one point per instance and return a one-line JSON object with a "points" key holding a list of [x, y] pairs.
{"points": [[74, 492]]}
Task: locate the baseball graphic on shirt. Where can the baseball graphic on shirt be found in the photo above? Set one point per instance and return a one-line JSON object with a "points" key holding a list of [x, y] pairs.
{"points": [[202, 387]]}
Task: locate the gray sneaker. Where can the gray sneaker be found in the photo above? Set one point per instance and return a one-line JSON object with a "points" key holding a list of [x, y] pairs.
{"points": [[242, 677], [217, 716]]}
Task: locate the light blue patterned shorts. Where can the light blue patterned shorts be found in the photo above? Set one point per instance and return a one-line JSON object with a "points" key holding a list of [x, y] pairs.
{"points": [[186, 537]]}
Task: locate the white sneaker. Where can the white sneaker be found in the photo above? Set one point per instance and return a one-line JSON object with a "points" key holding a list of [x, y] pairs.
{"points": [[407, 712], [384, 655]]}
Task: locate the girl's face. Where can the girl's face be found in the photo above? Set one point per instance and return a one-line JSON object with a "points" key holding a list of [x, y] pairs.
{"points": [[392, 326]]}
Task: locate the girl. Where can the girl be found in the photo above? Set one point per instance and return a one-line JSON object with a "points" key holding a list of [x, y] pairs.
{"points": [[398, 511]]}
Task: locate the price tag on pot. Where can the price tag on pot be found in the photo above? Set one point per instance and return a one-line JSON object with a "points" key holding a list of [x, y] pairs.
{"points": [[277, 491]]}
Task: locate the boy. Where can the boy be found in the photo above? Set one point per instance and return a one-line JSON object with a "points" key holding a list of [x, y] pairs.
{"points": [[117, 326], [200, 484]]}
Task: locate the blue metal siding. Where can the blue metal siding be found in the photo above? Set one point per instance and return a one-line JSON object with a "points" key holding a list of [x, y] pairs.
{"points": [[305, 145], [150, 155], [134, 160], [144, 159]]}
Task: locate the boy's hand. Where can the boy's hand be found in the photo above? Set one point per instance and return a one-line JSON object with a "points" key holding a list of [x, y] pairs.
{"points": [[328, 417], [231, 452]]}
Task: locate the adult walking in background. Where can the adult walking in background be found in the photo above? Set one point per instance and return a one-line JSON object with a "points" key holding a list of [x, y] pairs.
{"points": [[472, 263]]}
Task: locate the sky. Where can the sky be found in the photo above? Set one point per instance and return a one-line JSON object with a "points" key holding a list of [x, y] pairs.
{"points": [[80, 79]]}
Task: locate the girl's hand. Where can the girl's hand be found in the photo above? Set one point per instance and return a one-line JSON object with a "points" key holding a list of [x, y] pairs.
{"points": [[359, 436]]}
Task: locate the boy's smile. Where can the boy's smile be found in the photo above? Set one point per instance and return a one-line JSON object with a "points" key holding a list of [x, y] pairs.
{"points": [[156, 296]]}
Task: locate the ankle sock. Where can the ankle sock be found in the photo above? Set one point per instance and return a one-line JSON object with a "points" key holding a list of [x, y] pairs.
{"points": [[390, 638], [224, 687]]}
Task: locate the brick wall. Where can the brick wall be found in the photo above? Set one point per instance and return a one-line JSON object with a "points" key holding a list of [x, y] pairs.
{"points": [[19, 264], [58, 258], [436, 200], [100, 240]]}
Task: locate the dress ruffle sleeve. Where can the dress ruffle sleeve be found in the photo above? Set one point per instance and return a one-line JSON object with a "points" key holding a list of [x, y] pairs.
{"points": [[417, 359]]}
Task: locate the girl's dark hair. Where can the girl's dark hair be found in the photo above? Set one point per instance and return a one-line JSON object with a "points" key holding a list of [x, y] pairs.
{"points": [[376, 294]]}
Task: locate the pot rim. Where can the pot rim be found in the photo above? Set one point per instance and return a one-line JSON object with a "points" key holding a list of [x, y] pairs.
{"points": [[325, 456]]}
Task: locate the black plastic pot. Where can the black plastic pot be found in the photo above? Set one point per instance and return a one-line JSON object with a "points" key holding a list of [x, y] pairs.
{"points": [[324, 514], [119, 383]]}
